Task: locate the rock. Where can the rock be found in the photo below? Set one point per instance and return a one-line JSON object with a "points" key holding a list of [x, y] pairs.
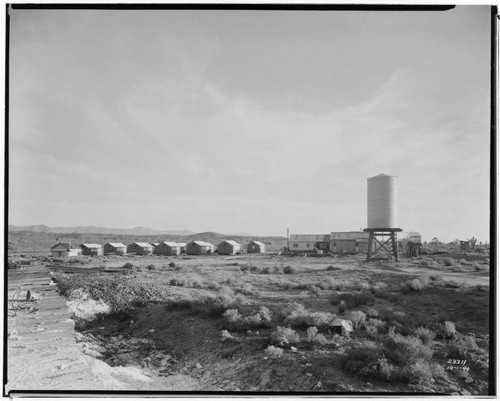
{"points": [[465, 392], [309, 374], [198, 366], [293, 349], [152, 330], [319, 385], [469, 380]]}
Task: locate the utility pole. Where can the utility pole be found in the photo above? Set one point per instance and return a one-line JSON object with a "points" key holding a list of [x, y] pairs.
{"points": [[287, 237]]}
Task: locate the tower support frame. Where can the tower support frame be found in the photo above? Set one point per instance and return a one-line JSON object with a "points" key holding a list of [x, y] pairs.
{"points": [[383, 240]]}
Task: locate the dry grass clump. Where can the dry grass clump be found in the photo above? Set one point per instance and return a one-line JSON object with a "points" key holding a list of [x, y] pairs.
{"points": [[178, 281], [235, 321], [248, 289], [327, 284], [284, 336], [374, 327], [449, 330], [425, 334], [449, 262], [332, 268], [417, 284]]}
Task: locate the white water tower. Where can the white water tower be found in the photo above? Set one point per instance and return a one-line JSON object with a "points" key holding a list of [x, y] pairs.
{"points": [[383, 201], [383, 216]]}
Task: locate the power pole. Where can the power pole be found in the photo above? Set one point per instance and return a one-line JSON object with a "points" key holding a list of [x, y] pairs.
{"points": [[287, 237]]}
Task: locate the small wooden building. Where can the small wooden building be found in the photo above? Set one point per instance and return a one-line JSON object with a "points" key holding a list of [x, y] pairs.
{"points": [[182, 247], [92, 249], [306, 242], [464, 245], [199, 248], [140, 248], [167, 248], [63, 250], [228, 247], [256, 247], [350, 241], [115, 248]]}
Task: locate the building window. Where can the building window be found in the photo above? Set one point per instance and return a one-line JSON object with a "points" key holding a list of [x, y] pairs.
{"points": [[295, 245], [307, 245], [322, 245]]}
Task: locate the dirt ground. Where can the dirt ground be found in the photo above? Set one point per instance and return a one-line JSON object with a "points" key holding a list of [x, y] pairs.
{"points": [[183, 349]]}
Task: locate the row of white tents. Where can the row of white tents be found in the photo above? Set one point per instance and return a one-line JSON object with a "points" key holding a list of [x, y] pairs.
{"points": [[225, 247]]}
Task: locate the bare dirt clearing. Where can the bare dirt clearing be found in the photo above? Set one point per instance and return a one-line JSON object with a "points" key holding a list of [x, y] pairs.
{"points": [[266, 322]]}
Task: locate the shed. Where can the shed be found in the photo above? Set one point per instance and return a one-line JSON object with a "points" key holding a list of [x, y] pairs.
{"points": [[140, 248], [182, 246], [63, 250], [306, 242], [349, 241], [464, 245], [228, 247], [199, 248], [92, 249], [115, 248], [256, 247], [167, 248]]}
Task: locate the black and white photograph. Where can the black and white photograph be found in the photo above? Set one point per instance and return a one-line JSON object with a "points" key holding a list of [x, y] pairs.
{"points": [[250, 199]]}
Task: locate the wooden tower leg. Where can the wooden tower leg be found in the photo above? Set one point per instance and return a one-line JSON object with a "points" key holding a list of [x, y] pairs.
{"points": [[370, 246], [395, 250]]}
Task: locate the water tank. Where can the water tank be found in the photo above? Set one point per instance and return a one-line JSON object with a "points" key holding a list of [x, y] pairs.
{"points": [[414, 237], [383, 201]]}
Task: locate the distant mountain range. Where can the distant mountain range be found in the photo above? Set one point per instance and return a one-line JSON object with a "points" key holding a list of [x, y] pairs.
{"points": [[42, 228]]}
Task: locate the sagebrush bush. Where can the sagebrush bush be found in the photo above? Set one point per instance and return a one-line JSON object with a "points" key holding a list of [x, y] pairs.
{"points": [[335, 298], [234, 320], [463, 347], [296, 315], [289, 270], [284, 336], [448, 261], [355, 299], [316, 338], [178, 281], [273, 352], [448, 329], [171, 264], [357, 318], [425, 334], [128, 265], [331, 268]]}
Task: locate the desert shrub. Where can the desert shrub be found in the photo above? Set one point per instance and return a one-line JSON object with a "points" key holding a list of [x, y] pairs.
{"points": [[418, 373], [224, 289], [277, 270], [377, 287], [356, 299], [244, 268], [360, 286], [315, 290], [371, 331], [226, 335], [284, 336], [375, 326], [296, 315], [335, 298], [289, 270], [219, 303], [425, 334], [178, 281], [171, 264], [327, 284], [448, 262], [178, 268], [403, 351], [266, 270], [412, 285], [463, 347], [213, 285], [273, 352], [361, 355], [196, 283], [424, 279], [128, 265], [248, 289], [316, 338], [151, 267], [331, 268], [234, 320], [372, 313], [357, 318], [342, 308], [289, 285], [448, 329]]}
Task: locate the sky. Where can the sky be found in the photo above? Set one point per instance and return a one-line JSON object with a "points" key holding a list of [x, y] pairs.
{"points": [[240, 121]]}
